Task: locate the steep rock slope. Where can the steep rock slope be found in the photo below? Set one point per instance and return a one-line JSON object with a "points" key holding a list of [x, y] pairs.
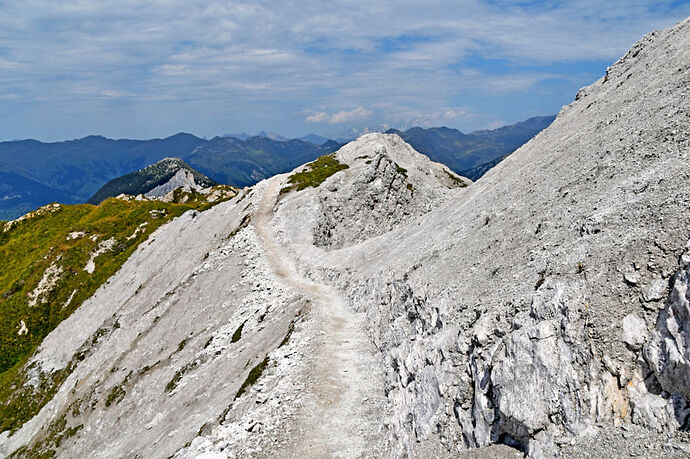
{"points": [[52, 260], [138, 364], [155, 180], [527, 309]]}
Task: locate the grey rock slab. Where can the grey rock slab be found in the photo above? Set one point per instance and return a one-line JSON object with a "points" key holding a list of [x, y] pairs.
{"points": [[635, 331], [668, 353]]}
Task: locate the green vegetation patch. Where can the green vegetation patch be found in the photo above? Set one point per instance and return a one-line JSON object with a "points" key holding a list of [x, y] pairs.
{"points": [[21, 400], [315, 173], [238, 333], [51, 249], [456, 180], [286, 339], [253, 377], [172, 384], [199, 201], [45, 447], [400, 170], [116, 395]]}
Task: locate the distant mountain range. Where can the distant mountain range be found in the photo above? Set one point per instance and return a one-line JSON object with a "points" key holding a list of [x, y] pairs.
{"points": [[34, 173], [72, 171], [471, 155], [313, 138], [245, 162], [269, 135]]}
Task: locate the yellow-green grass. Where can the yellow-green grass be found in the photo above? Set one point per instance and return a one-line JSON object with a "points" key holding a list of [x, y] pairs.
{"points": [[315, 173]]}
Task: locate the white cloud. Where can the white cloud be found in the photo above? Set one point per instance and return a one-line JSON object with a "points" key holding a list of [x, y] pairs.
{"points": [[343, 116], [317, 117], [407, 117]]}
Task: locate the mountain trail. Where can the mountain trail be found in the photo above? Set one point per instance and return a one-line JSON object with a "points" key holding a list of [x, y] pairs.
{"points": [[343, 416]]}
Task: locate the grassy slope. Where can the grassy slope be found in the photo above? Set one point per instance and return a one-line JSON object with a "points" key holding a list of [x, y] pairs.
{"points": [[29, 248], [315, 173]]}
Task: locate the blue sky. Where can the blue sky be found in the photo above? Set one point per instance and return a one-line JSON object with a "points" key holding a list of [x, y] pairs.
{"points": [[151, 68]]}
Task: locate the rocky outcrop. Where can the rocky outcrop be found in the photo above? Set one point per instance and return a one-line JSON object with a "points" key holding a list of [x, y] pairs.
{"points": [[380, 195], [386, 184], [154, 181], [182, 178], [668, 352]]}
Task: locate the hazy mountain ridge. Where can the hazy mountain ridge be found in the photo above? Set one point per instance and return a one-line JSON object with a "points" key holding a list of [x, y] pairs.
{"points": [[19, 195], [73, 171], [246, 162], [462, 152], [476, 172], [78, 168]]}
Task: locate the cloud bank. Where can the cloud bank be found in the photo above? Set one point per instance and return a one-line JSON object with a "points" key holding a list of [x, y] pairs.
{"points": [[141, 69]]}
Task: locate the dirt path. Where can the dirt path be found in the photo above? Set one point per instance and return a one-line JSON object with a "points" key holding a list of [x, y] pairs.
{"points": [[344, 412]]}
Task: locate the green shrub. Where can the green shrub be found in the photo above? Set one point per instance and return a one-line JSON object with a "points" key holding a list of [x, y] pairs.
{"points": [[252, 377], [456, 180], [238, 333], [115, 396]]}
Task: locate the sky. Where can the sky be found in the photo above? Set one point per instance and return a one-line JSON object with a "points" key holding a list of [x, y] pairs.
{"points": [[152, 68]]}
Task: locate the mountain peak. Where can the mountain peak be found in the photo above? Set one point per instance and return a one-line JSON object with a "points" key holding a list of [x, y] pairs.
{"points": [[368, 187], [155, 180]]}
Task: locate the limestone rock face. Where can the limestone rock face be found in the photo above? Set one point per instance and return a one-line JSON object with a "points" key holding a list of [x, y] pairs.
{"points": [[182, 178], [668, 354], [634, 331], [154, 181]]}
